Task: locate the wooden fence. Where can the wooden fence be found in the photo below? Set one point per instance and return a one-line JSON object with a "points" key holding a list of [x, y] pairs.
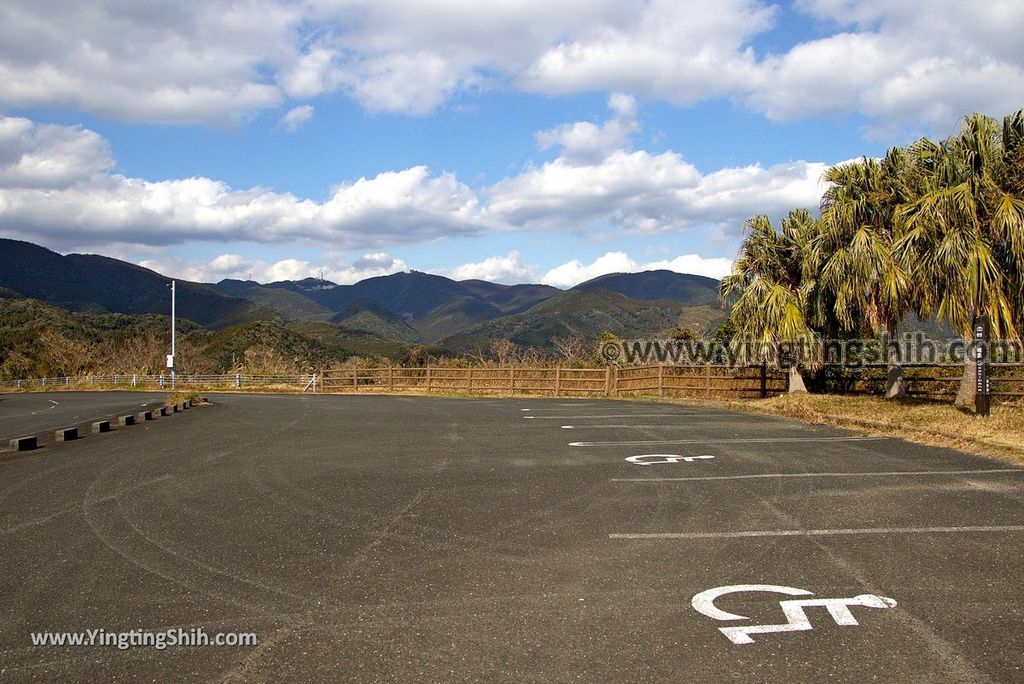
{"points": [[933, 380], [937, 381], [675, 381]]}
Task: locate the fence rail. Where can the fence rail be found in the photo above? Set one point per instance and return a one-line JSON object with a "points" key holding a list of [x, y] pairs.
{"points": [[609, 382], [934, 380], [931, 380], [164, 381]]}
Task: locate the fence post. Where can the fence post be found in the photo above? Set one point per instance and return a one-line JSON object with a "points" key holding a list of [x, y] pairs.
{"points": [[314, 383], [707, 379], [470, 380], [558, 380], [661, 380], [764, 379], [161, 380], [355, 379], [428, 379], [238, 380], [608, 381], [391, 378], [135, 379]]}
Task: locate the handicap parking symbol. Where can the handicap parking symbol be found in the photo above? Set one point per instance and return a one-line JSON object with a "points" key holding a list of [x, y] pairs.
{"points": [[656, 459], [793, 609]]}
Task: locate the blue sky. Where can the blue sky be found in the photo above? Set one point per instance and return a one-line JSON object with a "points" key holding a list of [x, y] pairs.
{"points": [[527, 142]]}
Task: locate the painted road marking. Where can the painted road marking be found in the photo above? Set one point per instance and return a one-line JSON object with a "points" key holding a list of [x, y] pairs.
{"points": [[627, 426], [730, 441], [665, 458], [793, 609], [816, 533], [614, 415], [558, 407], [898, 473]]}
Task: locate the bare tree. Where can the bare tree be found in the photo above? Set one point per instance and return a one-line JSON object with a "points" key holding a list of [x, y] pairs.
{"points": [[570, 347], [504, 350]]}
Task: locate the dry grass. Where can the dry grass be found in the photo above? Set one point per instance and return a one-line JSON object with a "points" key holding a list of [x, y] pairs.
{"points": [[1001, 434], [182, 396]]}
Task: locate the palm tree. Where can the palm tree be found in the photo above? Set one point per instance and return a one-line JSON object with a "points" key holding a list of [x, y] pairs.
{"points": [[863, 285], [962, 238], [772, 287]]}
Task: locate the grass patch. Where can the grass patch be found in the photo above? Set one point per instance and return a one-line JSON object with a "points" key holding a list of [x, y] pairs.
{"points": [[181, 396], [926, 422]]}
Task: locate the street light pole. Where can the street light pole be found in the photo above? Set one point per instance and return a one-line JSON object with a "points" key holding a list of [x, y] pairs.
{"points": [[170, 359]]}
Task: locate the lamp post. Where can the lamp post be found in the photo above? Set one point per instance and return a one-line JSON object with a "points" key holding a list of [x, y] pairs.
{"points": [[170, 357]]}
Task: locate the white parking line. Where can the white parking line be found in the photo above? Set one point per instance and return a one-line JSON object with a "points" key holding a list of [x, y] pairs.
{"points": [[899, 473], [559, 407], [626, 426], [818, 533], [712, 440], [616, 415]]}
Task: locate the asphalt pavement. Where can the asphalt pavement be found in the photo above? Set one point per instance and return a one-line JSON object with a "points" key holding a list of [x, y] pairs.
{"points": [[372, 538], [31, 413]]}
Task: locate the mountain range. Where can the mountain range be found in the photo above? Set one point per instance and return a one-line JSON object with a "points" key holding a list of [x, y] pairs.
{"points": [[407, 309], [311, 318]]}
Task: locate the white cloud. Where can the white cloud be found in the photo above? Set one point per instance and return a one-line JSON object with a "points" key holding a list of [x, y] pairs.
{"points": [[712, 267], [585, 142], [295, 117], [640, 192], [56, 188], [575, 272], [682, 52], [222, 61], [159, 61], [240, 268], [908, 67], [508, 269], [49, 156]]}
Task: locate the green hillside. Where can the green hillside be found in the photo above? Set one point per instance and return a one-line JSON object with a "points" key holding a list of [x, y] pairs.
{"points": [[583, 313], [86, 282], [652, 285]]}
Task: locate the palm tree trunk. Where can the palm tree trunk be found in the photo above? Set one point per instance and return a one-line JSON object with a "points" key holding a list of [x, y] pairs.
{"points": [[796, 380], [965, 396], [895, 385]]}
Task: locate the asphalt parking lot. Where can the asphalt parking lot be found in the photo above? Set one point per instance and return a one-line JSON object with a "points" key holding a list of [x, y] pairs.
{"points": [[369, 538], [31, 413]]}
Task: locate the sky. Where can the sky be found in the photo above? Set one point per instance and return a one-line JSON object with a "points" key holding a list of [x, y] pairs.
{"points": [[506, 140]]}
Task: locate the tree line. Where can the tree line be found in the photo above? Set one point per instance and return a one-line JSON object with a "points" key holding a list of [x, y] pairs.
{"points": [[934, 229]]}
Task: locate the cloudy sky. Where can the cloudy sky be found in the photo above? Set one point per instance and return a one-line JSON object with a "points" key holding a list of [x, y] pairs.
{"points": [[510, 140]]}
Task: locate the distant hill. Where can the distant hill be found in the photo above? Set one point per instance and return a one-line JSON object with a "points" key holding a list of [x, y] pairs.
{"points": [[369, 317], [584, 313], [510, 299], [314, 319], [287, 303], [651, 285], [88, 282], [434, 305], [287, 348], [438, 308]]}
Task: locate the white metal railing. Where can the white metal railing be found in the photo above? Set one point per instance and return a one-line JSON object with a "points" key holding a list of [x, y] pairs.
{"points": [[304, 382]]}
